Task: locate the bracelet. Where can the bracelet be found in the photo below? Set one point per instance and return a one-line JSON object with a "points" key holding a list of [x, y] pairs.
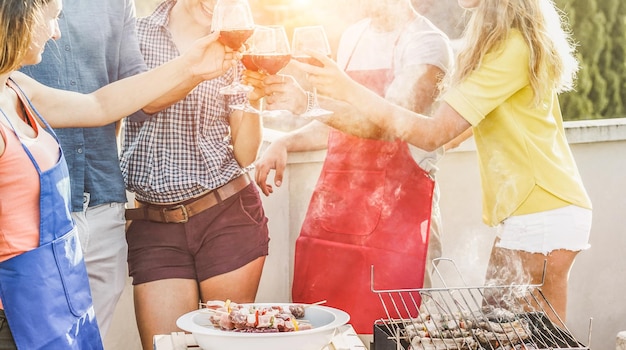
{"points": [[310, 101]]}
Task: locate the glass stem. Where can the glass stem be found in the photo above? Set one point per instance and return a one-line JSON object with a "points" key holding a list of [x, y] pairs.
{"points": [[316, 103], [235, 73]]}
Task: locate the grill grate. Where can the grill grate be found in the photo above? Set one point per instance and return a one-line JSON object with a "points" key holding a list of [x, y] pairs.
{"points": [[469, 318]]}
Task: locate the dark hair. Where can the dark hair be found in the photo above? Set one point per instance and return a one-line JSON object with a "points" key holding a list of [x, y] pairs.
{"points": [[17, 20]]}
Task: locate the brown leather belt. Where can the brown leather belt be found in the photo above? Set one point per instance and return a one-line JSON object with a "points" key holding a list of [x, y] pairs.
{"points": [[180, 213]]}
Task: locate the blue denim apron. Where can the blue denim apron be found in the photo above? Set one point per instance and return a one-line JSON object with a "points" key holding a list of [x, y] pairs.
{"points": [[45, 291]]}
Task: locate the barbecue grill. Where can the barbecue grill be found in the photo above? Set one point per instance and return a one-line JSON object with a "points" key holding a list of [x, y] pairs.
{"points": [[511, 317]]}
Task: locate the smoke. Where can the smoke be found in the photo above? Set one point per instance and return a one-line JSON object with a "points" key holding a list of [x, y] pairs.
{"points": [[445, 14], [507, 282], [507, 285]]}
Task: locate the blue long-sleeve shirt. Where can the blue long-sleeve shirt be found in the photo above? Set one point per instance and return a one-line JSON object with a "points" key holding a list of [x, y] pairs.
{"points": [[98, 46]]}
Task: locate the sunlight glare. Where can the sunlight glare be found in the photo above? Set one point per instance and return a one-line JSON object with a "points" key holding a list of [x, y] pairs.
{"points": [[301, 3]]}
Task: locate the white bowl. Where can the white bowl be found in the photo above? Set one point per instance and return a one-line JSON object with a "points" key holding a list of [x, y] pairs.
{"points": [[325, 320]]}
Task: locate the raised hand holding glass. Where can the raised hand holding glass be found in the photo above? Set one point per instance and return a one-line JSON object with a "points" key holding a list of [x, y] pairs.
{"points": [[311, 38], [233, 19], [271, 54], [267, 52]]}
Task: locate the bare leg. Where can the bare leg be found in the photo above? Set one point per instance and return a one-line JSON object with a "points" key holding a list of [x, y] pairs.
{"points": [[517, 267], [160, 303], [240, 285], [559, 264]]}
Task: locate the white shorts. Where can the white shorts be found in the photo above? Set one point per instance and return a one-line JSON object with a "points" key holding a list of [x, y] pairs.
{"points": [[563, 228]]}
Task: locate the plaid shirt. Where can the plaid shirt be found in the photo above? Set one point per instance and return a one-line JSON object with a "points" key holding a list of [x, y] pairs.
{"points": [[185, 149]]}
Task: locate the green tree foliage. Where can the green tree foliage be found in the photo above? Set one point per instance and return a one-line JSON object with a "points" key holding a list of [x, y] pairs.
{"points": [[599, 29]]}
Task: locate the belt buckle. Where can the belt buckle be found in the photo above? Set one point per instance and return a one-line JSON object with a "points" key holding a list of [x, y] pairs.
{"points": [[182, 209]]}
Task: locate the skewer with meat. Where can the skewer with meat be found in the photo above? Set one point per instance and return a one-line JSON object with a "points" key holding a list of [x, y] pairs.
{"points": [[231, 316]]}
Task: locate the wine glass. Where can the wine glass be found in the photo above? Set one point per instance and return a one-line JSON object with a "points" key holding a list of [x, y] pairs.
{"points": [[248, 63], [233, 19], [267, 51], [310, 38], [270, 54]]}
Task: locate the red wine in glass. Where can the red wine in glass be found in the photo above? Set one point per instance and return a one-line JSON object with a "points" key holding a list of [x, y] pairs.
{"points": [[247, 59], [234, 38], [267, 52], [233, 20], [271, 63], [248, 62]]}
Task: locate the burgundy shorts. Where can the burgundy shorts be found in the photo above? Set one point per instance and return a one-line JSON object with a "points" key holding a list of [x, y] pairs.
{"points": [[220, 239]]}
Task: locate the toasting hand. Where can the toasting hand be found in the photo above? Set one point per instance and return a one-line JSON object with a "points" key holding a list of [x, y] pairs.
{"points": [[281, 92], [208, 58], [329, 79]]}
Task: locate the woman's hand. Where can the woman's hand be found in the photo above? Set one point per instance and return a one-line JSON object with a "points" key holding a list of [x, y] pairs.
{"points": [[284, 93], [281, 92], [330, 80], [208, 58], [254, 79], [274, 157]]}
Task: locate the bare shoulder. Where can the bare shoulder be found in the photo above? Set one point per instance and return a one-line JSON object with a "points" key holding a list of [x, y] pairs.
{"points": [[40, 95], [27, 84]]}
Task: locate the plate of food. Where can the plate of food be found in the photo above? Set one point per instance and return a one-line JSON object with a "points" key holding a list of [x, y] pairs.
{"points": [[219, 325]]}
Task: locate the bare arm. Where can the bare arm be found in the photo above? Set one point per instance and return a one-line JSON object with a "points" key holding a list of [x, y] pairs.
{"points": [[457, 141], [247, 135], [313, 136], [427, 133], [110, 103], [285, 92], [415, 88], [172, 96]]}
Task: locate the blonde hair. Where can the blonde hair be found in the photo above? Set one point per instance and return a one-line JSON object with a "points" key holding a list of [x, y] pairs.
{"points": [[17, 20], [552, 64]]}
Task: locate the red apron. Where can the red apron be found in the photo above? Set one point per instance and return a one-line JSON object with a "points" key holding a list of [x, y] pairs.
{"points": [[371, 206]]}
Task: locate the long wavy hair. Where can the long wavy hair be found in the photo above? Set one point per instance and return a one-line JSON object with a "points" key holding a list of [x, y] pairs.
{"points": [[17, 22], [552, 66]]}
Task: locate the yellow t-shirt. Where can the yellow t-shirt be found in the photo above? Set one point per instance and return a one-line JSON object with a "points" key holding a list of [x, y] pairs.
{"points": [[522, 150]]}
